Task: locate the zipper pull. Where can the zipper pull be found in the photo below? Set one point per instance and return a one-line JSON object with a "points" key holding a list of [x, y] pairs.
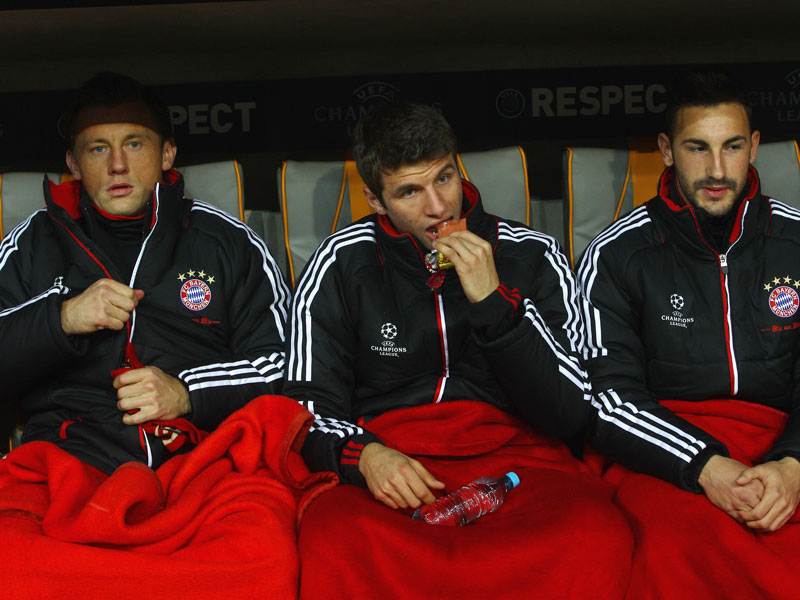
{"points": [[723, 262]]}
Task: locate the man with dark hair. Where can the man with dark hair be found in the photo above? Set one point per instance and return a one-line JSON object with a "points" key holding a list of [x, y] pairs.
{"points": [[133, 319], [703, 89], [693, 348], [417, 375], [398, 135]]}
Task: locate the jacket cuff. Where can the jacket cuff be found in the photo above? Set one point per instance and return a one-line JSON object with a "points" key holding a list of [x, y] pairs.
{"points": [[203, 414], [779, 453], [350, 455], [73, 345], [692, 473], [497, 314], [788, 443]]}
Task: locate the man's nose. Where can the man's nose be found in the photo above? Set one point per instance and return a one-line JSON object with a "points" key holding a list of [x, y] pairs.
{"points": [[119, 163], [716, 166], [434, 203]]}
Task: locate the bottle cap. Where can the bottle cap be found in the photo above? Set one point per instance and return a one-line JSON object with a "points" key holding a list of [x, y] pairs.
{"points": [[514, 478]]}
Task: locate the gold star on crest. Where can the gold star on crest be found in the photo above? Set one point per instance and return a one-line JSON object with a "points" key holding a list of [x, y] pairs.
{"points": [[797, 284], [181, 277], [191, 273], [766, 287], [201, 274], [776, 281], [210, 279], [787, 279]]}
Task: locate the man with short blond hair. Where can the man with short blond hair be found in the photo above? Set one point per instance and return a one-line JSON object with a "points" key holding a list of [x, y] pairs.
{"points": [[133, 319]]}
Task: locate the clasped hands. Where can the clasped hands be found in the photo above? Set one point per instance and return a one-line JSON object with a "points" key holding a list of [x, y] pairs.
{"points": [[763, 497]]}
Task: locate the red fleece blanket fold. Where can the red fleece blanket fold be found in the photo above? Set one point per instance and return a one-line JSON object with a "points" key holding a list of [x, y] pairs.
{"points": [[687, 548], [556, 536], [218, 522]]}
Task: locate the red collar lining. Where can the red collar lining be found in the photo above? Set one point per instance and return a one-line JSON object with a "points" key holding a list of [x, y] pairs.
{"points": [[67, 195], [470, 194], [668, 177]]}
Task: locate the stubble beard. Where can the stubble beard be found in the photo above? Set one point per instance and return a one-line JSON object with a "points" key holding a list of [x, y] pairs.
{"points": [[715, 208]]}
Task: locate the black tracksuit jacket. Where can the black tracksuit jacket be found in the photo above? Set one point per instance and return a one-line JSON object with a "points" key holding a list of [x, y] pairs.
{"points": [[668, 316], [368, 335], [213, 315]]}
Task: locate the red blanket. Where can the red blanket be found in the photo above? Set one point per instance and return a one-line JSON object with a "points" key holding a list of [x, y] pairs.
{"points": [[687, 548], [556, 536], [218, 522]]}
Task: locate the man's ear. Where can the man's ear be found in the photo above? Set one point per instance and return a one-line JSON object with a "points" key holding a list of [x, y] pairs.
{"points": [[374, 202], [72, 165], [755, 138], [168, 152], [665, 146]]}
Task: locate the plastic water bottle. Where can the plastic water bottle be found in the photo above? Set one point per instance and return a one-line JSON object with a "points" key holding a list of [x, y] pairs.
{"points": [[474, 500]]}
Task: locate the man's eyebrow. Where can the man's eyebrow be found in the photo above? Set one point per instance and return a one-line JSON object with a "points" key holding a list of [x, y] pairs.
{"points": [[97, 140], [736, 138], [413, 186], [699, 142], [102, 140], [400, 189]]}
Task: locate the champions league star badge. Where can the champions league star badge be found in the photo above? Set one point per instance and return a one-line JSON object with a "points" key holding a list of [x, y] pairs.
{"points": [[783, 298], [195, 293]]}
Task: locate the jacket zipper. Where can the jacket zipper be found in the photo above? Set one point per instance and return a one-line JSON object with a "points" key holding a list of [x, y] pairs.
{"points": [[734, 371], [439, 393], [129, 357], [724, 272], [135, 272], [724, 268]]}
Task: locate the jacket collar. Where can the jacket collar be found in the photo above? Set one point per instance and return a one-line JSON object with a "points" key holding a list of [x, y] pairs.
{"points": [[681, 219], [69, 199]]}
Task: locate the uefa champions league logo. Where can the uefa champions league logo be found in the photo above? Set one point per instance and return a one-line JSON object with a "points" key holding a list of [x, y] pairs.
{"points": [[389, 331], [677, 318]]}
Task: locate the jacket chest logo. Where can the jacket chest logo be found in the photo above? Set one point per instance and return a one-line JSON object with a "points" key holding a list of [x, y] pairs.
{"points": [[387, 347], [677, 318], [783, 298], [195, 291]]}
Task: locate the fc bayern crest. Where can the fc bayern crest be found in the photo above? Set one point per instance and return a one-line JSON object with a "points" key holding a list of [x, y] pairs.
{"points": [[196, 295], [783, 301]]}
